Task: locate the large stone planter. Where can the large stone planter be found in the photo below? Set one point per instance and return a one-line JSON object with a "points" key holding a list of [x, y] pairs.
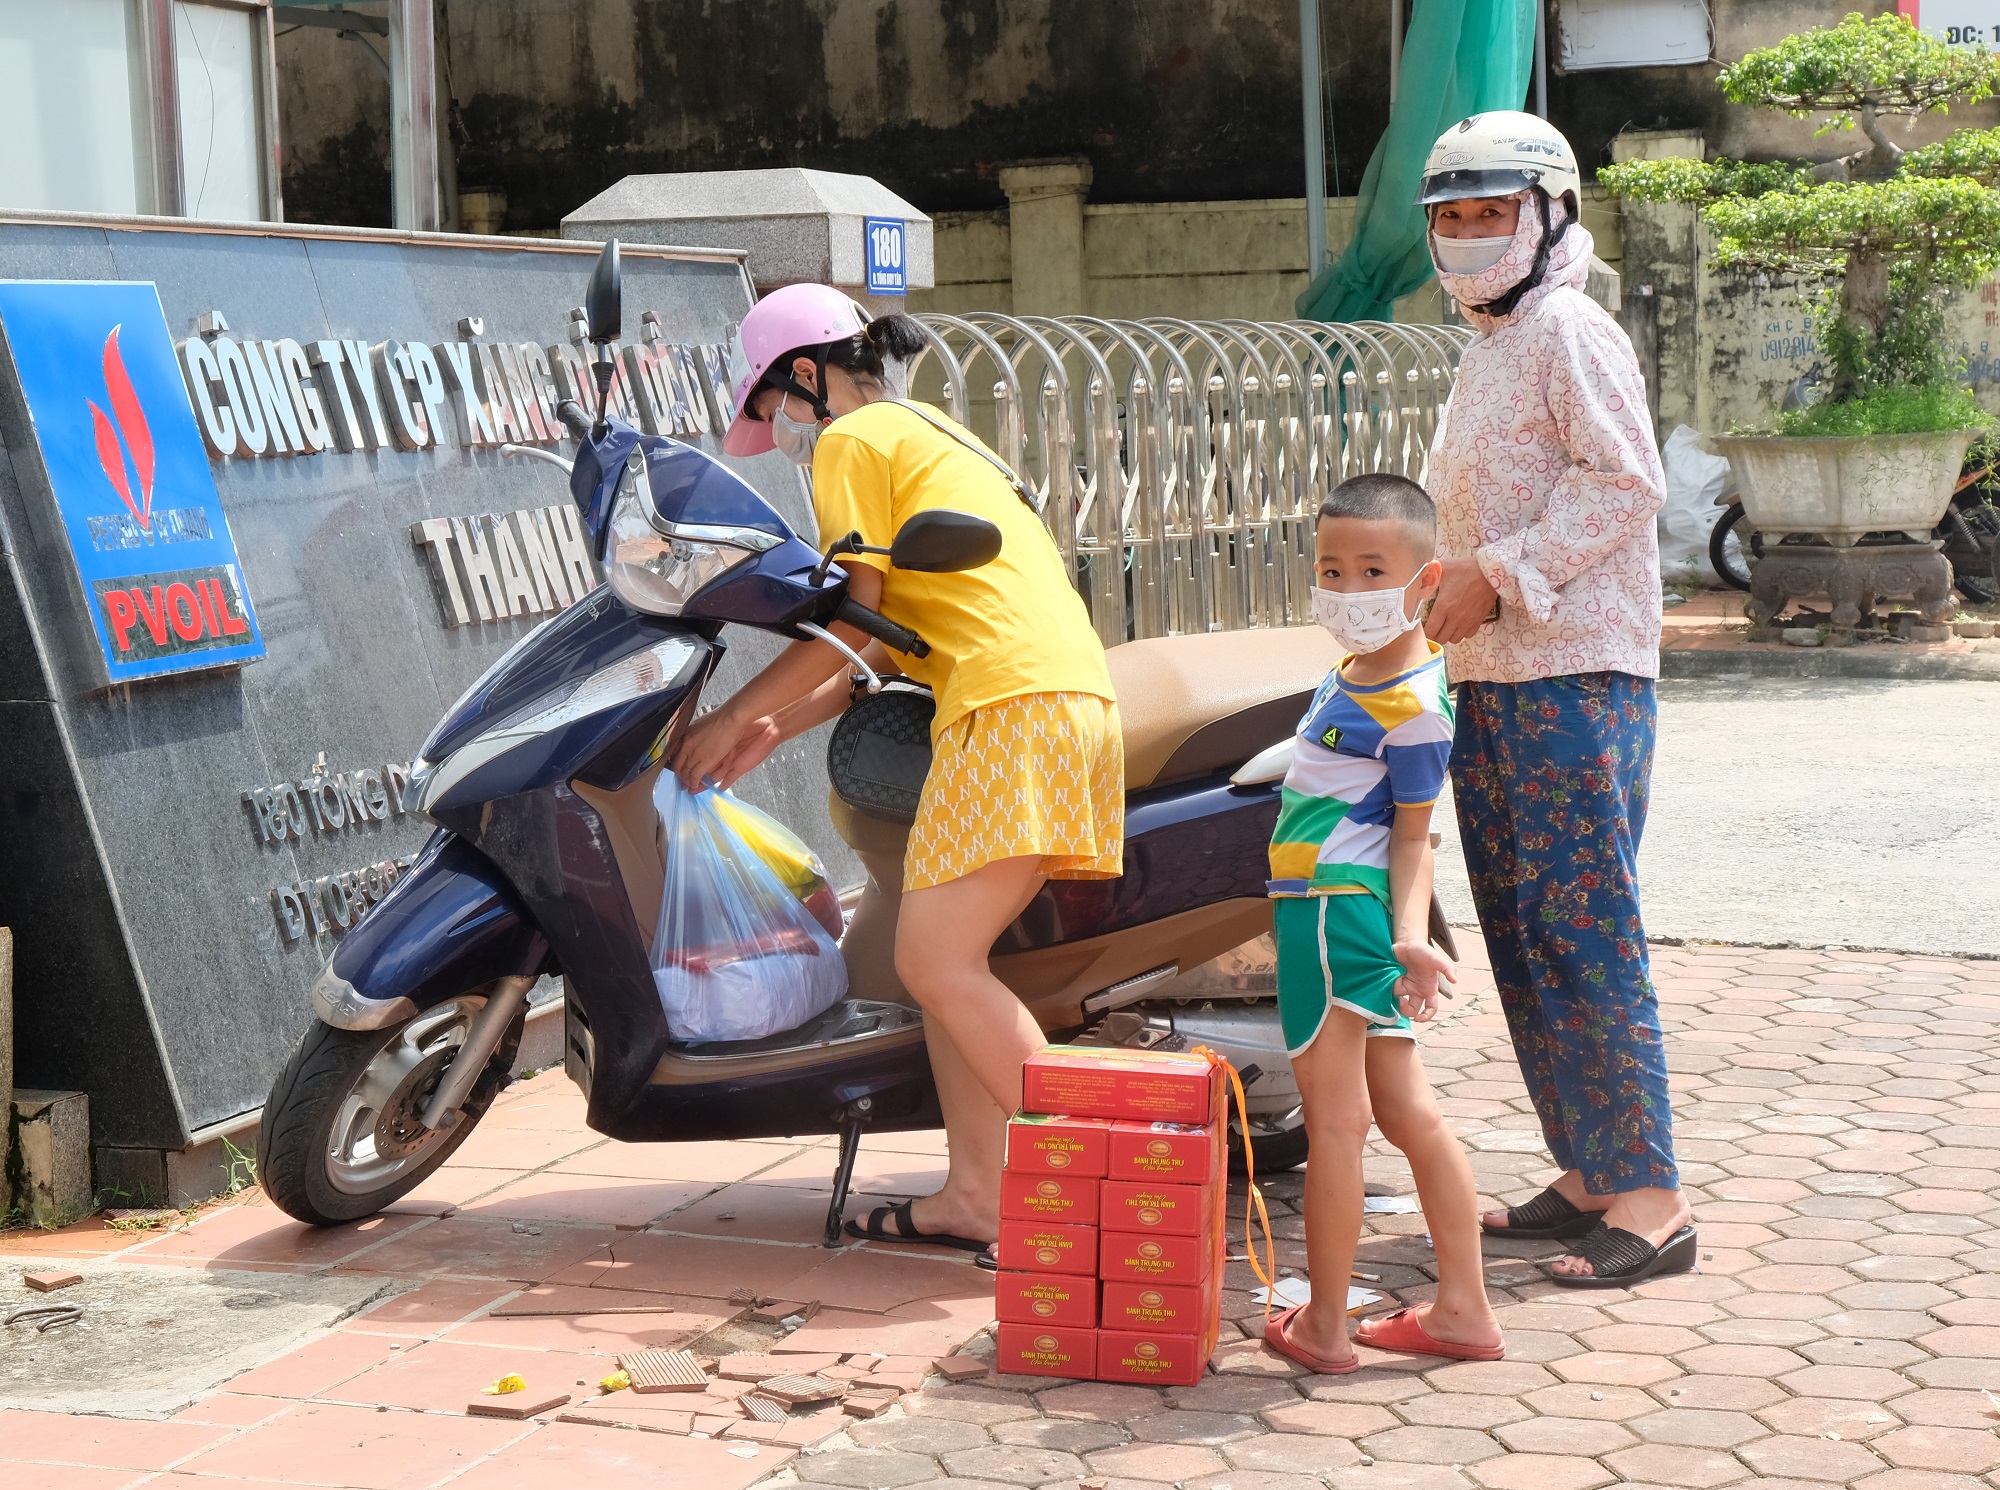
{"points": [[1843, 487]]}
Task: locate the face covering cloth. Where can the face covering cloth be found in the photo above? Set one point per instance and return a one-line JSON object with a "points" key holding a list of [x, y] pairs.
{"points": [[1366, 620]]}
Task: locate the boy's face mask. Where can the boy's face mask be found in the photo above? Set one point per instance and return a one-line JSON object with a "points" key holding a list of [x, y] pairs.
{"points": [[1365, 621]]}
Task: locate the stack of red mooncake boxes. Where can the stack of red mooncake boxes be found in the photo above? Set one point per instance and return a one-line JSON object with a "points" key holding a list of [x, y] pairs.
{"points": [[1111, 1217]]}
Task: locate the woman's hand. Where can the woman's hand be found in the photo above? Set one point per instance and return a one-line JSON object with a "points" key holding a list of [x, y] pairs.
{"points": [[1465, 602], [1418, 990], [710, 742], [759, 738]]}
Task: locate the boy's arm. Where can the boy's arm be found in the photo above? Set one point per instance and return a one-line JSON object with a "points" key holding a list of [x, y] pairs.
{"points": [[1411, 870]]}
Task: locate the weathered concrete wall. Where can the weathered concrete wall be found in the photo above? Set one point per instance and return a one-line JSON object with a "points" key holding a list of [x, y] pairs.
{"points": [[1169, 100], [1200, 259]]}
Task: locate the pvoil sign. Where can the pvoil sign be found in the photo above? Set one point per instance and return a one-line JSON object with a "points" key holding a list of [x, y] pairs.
{"points": [[146, 531], [271, 498]]}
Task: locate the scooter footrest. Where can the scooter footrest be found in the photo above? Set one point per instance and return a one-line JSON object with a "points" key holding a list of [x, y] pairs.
{"points": [[847, 1021]]}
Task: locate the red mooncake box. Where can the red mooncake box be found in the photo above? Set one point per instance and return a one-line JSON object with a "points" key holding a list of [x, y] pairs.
{"points": [[1172, 1210], [1046, 1350], [1078, 1146], [1163, 1308], [1047, 1299], [1110, 1082], [1144, 1257], [1044, 1195], [1048, 1247], [1159, 1359], [1168, 1153]]}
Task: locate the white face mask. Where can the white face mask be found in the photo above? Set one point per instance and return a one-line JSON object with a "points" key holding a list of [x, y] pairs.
{"points": [[1364, 621], [797, 440], [1469, 255]]}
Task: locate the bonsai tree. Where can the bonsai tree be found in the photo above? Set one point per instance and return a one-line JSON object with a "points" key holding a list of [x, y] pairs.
{"points": [[1882, 235]]}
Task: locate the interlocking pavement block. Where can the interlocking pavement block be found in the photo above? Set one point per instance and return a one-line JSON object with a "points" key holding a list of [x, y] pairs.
{"points": [[663, 1371], [796, 1391], [527, 1405], [52, 1279]]}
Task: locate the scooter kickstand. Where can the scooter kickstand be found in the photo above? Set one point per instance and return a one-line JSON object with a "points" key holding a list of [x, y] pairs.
{"points": [[843, 1174]]}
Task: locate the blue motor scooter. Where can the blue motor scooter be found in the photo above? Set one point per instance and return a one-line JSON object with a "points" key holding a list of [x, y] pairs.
{"points": [[548, 859]]}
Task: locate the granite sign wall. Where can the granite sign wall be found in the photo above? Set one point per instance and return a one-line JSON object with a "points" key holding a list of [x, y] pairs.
{"points": [[178, 854]]}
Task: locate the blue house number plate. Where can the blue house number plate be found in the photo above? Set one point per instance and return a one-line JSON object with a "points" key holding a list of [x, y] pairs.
{"points": [[885, 256]]}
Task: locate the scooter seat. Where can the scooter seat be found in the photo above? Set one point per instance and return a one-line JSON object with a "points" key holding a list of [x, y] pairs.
{"points": [[1194, 705], [1190, 705]]}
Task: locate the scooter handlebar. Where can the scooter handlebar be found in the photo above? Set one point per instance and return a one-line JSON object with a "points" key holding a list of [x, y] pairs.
{"points": [[573, 419], [887, 632]]}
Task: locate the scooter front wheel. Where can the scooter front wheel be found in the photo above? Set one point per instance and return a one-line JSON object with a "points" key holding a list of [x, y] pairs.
{"points": [[343, 1134]]}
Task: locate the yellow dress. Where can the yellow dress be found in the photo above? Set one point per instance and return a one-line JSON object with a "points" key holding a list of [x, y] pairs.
{"points": [[1028, 757]]}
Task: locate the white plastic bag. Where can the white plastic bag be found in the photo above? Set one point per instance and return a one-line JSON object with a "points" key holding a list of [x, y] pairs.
{"points": [[1694, 480], [738, 954]]}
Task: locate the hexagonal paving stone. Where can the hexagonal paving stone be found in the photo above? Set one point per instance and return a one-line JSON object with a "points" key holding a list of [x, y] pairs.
{"points": [[1699, 1427], [1464, 1410], [1578, 1437], [1739, 1360], [1208, 1428], [1952, 1450], [865, 1469], [1721, 1393], [1431, 1445], [970, 1404], [1677, 1464], [1862, 1383], [1290, 1453], [1502, 1378], [1613, 1368], [1946, 1409], [1540, 1472], [1102, 1401], [1828, 1461], [1013, 1464], [1070, 1435], [1157, 1461], [1234, 1394], [1364, 1386], [1333, 1419], [1253, 1479], [918, 1435], [1813, 1416]]}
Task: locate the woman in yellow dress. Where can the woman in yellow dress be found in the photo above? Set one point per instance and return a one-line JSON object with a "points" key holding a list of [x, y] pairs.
{"points": [[1028, 772]]}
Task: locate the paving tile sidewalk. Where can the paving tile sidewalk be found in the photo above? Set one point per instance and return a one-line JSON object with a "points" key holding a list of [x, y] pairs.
{"points": [[1839, 1120]]}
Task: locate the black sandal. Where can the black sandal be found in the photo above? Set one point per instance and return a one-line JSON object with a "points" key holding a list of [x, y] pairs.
{"points": [[1547, 1217], [906, 1230], [1619, 1258]]}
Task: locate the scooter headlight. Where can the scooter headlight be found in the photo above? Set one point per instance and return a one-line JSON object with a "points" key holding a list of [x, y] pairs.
{"points": [[656, 566]]}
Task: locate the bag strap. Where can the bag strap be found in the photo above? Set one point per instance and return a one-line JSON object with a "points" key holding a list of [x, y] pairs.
{"points": [[1020, 487]]}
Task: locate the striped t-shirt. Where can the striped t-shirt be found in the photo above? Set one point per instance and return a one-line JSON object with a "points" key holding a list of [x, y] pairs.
{"points": [[1363, 750]]}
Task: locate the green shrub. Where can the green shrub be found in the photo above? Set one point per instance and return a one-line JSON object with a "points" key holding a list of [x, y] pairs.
{"points": [[1879, 238], [1931, 408]]}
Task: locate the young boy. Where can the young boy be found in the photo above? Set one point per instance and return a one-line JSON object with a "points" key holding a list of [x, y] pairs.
{"points": [[1351, 871]]}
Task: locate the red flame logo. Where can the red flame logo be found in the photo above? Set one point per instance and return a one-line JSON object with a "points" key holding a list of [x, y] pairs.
{"points": [[129, 420]]}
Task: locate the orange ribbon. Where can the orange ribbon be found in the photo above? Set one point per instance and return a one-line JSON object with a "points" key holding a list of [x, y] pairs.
{"points": [[1253, 1203]]}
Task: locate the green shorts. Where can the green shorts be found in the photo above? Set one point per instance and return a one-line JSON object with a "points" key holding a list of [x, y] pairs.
{"points": [[1335, 949]]}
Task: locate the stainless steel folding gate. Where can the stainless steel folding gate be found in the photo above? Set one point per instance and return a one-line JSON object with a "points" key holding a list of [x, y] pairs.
{"points": [[1179, 463]]}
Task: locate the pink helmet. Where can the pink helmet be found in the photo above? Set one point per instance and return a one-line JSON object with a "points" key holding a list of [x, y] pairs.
{"points": [[786, 320]]}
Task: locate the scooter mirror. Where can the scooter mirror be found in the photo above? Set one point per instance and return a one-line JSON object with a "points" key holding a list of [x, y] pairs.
{"points": [[602, 301], [941, 541]]}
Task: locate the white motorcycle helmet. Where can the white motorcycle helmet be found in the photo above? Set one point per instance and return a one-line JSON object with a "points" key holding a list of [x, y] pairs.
{"points": [[1499, 154], [1496, 155]]}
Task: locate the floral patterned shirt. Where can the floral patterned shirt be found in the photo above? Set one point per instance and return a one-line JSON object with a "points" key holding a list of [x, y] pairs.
{"points": [[1546, 472]]}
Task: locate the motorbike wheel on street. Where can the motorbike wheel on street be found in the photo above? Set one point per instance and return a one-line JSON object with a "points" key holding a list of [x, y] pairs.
{"points": [[343, 1134], [1728, 550]]}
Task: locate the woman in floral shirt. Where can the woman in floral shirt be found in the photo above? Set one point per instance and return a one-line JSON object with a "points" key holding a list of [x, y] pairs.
{"points": [[1546, 478]]}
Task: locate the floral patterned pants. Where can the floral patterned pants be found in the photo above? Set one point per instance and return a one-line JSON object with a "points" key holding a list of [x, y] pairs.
{"points": [[1551, 779]]}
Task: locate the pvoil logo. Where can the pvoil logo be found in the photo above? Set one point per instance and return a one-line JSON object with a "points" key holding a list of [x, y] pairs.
{"points": [[155, 564], [130, 422]]}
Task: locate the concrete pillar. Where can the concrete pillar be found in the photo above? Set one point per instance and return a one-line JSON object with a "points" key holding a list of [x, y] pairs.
{"points": [[1045, 219]]}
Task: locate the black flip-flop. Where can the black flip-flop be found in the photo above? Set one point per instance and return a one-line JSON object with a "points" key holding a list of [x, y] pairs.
{"points": [[907, 1231], [1548, 1217], [1619, 1258]]}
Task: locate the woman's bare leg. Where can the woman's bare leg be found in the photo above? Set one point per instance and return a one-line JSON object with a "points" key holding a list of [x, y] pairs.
{"points": [[978, 1032]]}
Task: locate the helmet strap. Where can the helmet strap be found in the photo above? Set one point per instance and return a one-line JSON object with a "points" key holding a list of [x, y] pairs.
{"points": [[816, 400], [1506, 304]]}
